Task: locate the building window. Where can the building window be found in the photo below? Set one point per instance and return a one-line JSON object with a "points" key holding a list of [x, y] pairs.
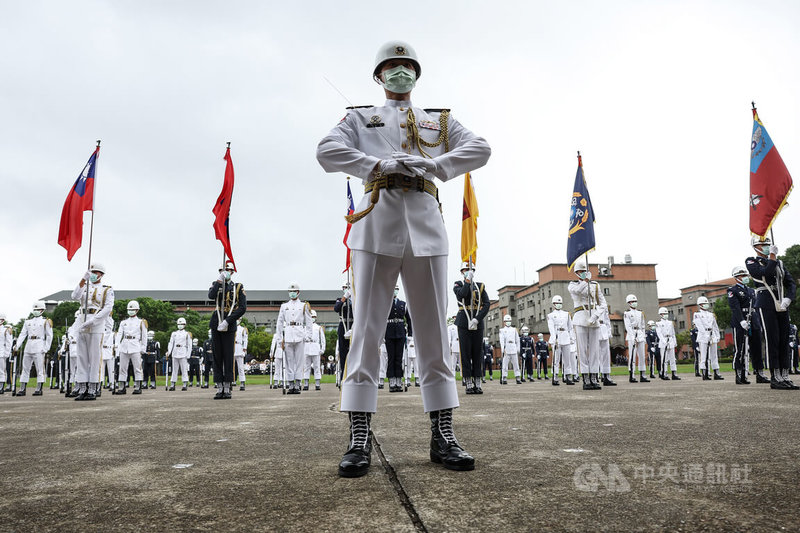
{"points": [[616, 329], [606, 291], [681, 325], [680, 310]]}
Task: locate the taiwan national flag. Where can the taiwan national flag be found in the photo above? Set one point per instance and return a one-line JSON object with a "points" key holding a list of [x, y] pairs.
{"points": [[770, 182], [79, 199], [222, 209], [580, 239], [350, 210]]}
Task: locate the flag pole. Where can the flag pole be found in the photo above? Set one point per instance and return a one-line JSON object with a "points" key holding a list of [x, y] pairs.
{"points": [[91, 232]]}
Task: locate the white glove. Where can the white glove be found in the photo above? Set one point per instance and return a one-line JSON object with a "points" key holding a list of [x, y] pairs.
{"points": [[773, 250], [348, 294], [592, 320], [588, 275], [86, 325], [87, 275], [223, 326], [16, 346], [221, 277], [417, 162], [744, 324], [785, 303], [394, 166], [469, 275], [473, 324]]}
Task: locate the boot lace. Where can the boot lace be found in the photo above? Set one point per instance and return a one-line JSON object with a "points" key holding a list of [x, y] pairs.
{"points": [[359, 430], [446, 426]]}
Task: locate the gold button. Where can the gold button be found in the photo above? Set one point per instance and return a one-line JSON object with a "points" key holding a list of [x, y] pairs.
{"points": [[402, 124], [403, 145], [402, 109]]}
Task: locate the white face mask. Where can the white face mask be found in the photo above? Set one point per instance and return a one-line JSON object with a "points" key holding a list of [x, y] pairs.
{"points": [[293, 295], [745, 280], [508, 323], [704, 307], [634, 305], [227, 274], [399, 80], [558, 307], [131, 312], [664, 316], [37, 312], [396, 293], [314, 319], [582, 274], [181, 326], [94, 278]]}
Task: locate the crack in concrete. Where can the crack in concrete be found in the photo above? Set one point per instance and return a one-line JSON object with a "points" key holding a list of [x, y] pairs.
{"points": [[398, 488]]}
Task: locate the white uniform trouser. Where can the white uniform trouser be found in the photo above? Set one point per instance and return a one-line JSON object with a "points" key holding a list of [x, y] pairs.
{"points": [[426, 289], [456, 361], [182, 363], [588, 344], [293, 356], [605, 356], [668, 358], [3, 361], [278, 375], [136, 357], [240, 365], [311, 362], [107, 366], [637, 349], [514, 363], [73, 368], [29, 359], [89, 357], [384, 364], [708, 349]]}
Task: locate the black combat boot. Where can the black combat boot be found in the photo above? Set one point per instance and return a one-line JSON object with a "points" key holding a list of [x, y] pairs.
{"points": [[445, 449], [478, 389], [717, 375], [519, 381], [632, 379], [675, 375], [760, 377], [587, 384], [137, 387], [705, 375], [555, 380], [643, 378], [788, 381], [470, 387], [38, 390], [608, 382], [568, 380], [356, 460]]}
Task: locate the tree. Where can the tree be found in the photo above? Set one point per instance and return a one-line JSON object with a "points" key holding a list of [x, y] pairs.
{"points": [[331, 338], [722, 310], [791, 260], [258, 343]]}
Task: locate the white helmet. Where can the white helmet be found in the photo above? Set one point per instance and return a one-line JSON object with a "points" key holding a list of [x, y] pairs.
{"points": [[194, 342], [663, 311], [507, 318], [395, 50], [651, 323], [525, 329], [631, 298], [758, 240], [702, 301], [38, 306], [228, 265], [2, 316], [293, 286], [181, 321], [151, 334], [313, 314], [133, 305], [580, 264], [557, 299], [466, 265], [738, 272], [541, 336], [97, 267]]}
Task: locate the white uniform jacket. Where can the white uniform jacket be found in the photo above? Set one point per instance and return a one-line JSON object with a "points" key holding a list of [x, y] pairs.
{"points": [[132, 335], [635, 326], [559, 323], [180, 344], [509, 341], [294, 322], [590, 304], [275, 350], [240, 345], [367, 135], [39, 333], [317, 345], [707, 329], [101, 303], [665, 330]]}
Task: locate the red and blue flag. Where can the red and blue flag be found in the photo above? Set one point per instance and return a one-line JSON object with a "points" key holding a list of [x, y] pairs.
{"points": [[770, 182], [350, 210], [222, 209], [79, 199]]}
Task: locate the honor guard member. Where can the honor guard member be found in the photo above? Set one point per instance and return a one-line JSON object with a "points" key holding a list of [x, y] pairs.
{"points": [[195, 357], [384, 363], [398, 150], [208, 360], [695, 350], [526, 353], [488, 360], [746, 328], [509, 348], [276, 354], [398, 327], [131, 346], [97, 302], [410, 363], [179, 348], [542, 352], [240, 350], [293, 331], [654, 355], [635, 335], [590, 305], [6, 344], [151, 356], [455, 347], [344, 308], [60, 368], [72, 340], [668, 343], [793, 347], [775, 291], [559, 323], [107, 351], [231, 304], [605, 349], [38, 331], [314, 349], [473, 306], [707, 338]]}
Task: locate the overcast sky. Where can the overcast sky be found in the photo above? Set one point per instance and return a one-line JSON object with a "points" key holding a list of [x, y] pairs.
{"points": [[656, 95]]}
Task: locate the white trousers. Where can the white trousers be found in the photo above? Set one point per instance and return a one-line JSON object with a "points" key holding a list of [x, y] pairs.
{"points": [[514, 363], [562, 356], [668, 358], [637, 349], [107, 366], [384, 364], [29, 359], [73, 368], [456, 361], [588, 342], [293, 356], [240, 365], [426, 289], [181, 363], [708, 349], [410, 366], [3, 361], [278, 370], [605, 356], [89, 357], [136, 357], [311, 362]]}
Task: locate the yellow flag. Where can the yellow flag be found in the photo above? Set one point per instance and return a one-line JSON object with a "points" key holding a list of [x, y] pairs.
{"points": [[469, 223]]}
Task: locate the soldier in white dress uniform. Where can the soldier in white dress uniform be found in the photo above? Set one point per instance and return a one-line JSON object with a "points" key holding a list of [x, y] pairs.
{"points": [[179, 349], [398, 149], [38, 331], [107, 349], [6, 345], [707, 338], [667, 342], [590, 305], [276, 354], [314, 350], [455, 347], [131, 345], [294, 330], [97, 302], [509, 348], [240, 350], [562, 335], [635, 329]]}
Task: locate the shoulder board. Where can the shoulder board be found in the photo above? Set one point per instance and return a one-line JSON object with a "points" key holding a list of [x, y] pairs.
{"points": [[360, 107], [190, 334], [145, 323], [246, 330], [750, 260], [50, 322], [435, 109], [308, 306]]}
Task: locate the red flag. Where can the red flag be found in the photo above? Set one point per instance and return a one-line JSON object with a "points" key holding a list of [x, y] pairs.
{"points": [[350, 210], [770, 182], [222, 208], [79, 199]]}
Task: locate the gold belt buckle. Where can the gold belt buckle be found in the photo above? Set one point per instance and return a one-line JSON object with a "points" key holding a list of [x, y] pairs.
{"points": [[406, 182]]}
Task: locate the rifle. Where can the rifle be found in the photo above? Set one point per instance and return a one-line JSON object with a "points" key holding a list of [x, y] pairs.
{"points": [[50, 377], [14, 372]]}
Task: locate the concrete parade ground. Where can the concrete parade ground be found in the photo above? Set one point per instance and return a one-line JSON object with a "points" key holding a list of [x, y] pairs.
{"points": [[662, 456]]}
